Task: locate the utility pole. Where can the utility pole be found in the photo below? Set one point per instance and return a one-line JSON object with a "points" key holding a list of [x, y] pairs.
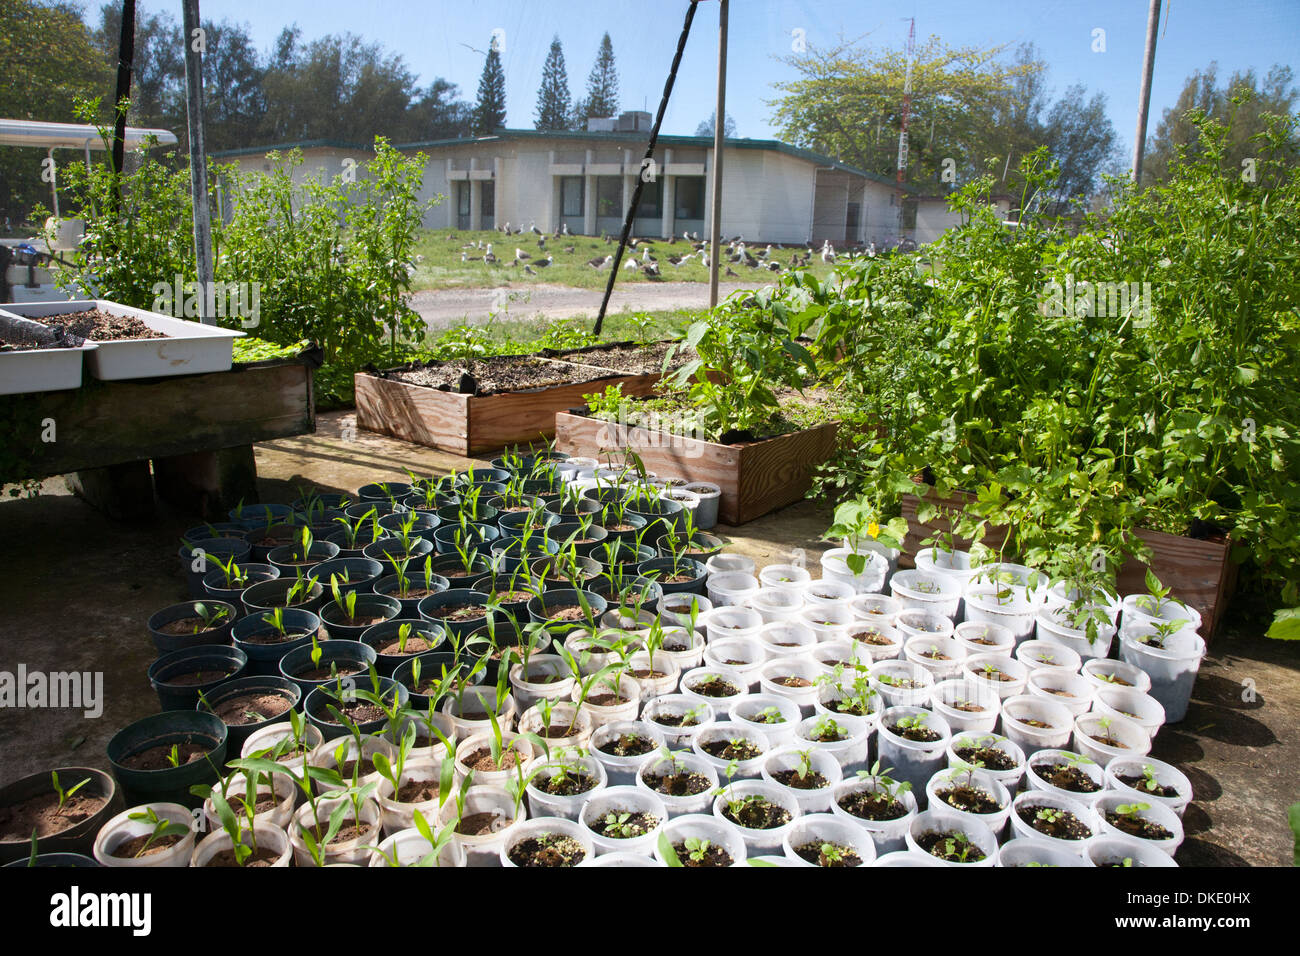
{"points": [[1144, 94], [195, 45], [719, 128]]}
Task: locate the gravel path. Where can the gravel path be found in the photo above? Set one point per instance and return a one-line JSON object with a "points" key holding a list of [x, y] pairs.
{"points": [[442, 308]]}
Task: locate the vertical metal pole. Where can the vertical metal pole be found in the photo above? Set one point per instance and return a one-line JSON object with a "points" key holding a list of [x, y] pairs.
{"points": [[198, 158], [1144, 94], [125, 63], [719, 127], [54, 183]]}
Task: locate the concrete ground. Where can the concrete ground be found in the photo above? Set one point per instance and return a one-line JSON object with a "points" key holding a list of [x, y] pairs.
{"points": [[77, 588]]}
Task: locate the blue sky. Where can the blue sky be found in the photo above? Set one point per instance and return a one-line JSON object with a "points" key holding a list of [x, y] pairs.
{"points": [[429, 35]]}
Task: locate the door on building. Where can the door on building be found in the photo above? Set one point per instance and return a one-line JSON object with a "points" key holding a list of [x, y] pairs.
{"points": [[462, 205], [488, 204], [851, 222]]}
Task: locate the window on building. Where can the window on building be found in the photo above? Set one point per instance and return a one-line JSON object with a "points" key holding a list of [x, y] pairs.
{"points": [[488, 200], [652, 200], [689, 197], [609, 196], [462, 199], [571, 195]]}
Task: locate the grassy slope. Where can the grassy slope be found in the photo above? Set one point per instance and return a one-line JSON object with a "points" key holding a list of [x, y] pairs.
{"points": [[441, 266]]}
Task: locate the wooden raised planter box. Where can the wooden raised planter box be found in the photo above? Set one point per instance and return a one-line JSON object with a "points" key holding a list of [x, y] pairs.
{"points": [[472, 424], [1197, 571], [755, 478]]}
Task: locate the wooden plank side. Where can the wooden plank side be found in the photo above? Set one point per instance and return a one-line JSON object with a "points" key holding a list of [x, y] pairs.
{"points": [[423, 416], [1197, 571], [108, 423], [778, 472], [518, 418]]}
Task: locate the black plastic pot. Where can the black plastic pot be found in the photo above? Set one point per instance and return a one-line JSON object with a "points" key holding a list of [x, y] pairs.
{"points": [[568, 507], [661, 568], [60, 860], [703, 544], [623, 554], [220, 529], [475, 537], [259, 514], [384, 491], [562, 596], [631, 590], [236, 734], [362, 574], [288, 559], [431, 665], [452, 597], [479, 476], [665, 511], [493, 583], [196, 559], [451, 568], [166, 643], [511, 554], [214, 584], [558, 571], [298, 662], [229, 662], [586, 542], [363, 540], [263, 539], [321, 504], [169, 784], [380, 508], [316, 706], [268, 595], [391, 552], [391, 587], [423, 522], [421, 500], [367, 605], [78, 838], [264, 658], [511, 523], [488, 643], [625, 535], [380, 634]]}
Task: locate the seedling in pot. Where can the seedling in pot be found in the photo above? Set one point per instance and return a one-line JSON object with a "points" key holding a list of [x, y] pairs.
{"points": [[65, 795], [883, 800], [162, 829], [753, 811], [352, 529], [1128, 819]]}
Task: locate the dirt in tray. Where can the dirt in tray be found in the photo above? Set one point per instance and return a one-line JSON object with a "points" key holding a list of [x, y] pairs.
{"points": [[549, 849], [159, 757], [505, 373], [99, 326], [43, 814], [251, 708], [262, 857]]}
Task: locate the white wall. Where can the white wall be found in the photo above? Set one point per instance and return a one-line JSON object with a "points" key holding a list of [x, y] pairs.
{"points": [[787, 199]]}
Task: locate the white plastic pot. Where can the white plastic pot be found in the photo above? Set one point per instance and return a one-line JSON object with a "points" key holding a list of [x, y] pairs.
{"points": [[622, 860], [946, 820], [907, 858], [851, 748], [819, 828], [948, 778], [876, 641], [543, 768], [570, 725], [1131, 704], [621, 770], [1141, 609], [1124, 851], [918, 622], [1055, 625], [551, 826], [484, 849], [625, 709], [679, 804], [726, 730], [1029, 738], [675, 608], [826, 657], [1045, 758], [623, 800], [742, 656], [776, 604], [527, 690], [887, 835], [828, 622], [1006, 676], [713, 685], [676, 736], [685, 647], [955, 564], [941, 656], [356, 850], [1074, 692], [663, 666], [1155, 812], [265, 738], [478, 700], [267, 836], [729, 588], [988, 602], [1089, 729], [705, 826], [279, 815], [913, 761], [323, 756], [786, 638], [901, 683], [831, 699], [726, 563], [982, 637], [1165, 775], [826, 593], [794, 678], [835, 567], [515, 752], [760, 712], [758, 841], [732, 621], [396, 815], [1037, 654], [1172, 669], [810, 800], [1009, 778], [786, 577], [1033, 851], [876, 608], [952, 700], [1112, 673], [928, 591], [1034, 800], [121, 829]]}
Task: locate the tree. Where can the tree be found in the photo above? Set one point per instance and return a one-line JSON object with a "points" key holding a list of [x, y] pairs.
{"points": [[553, 98], [490, 109], [709, 125], [602, 87], [1243, 104], [440, 113], [50, 60]]}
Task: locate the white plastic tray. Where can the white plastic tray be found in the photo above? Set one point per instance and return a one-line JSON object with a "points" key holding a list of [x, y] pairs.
{"points": [[189, 349], [41, 370]]}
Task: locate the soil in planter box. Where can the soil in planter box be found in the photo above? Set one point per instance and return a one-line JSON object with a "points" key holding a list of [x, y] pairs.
{"points": [[812, 780], [393, 648], [1065, 777], [739, 749], [418, 791], [186, 626], [684, 784], [970, 799], [551, 849], [936, 844], [757, 814], [99, 326], [194, 678], [488, 376], [43, 814], [251, 709], [159, 758], [713, 856], [637, 824], [1065, 825], [628, 745], [988, 757], [262, 857], [483, 824], [632, 359], [1137, 826], [869, 805], [567, 785], [481, 759], [458, 612], [130, 848], [812, 853], [1143, 785]]}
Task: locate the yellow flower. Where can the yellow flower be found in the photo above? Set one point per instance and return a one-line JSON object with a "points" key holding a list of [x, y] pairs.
{"points": [[873, 529]]}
